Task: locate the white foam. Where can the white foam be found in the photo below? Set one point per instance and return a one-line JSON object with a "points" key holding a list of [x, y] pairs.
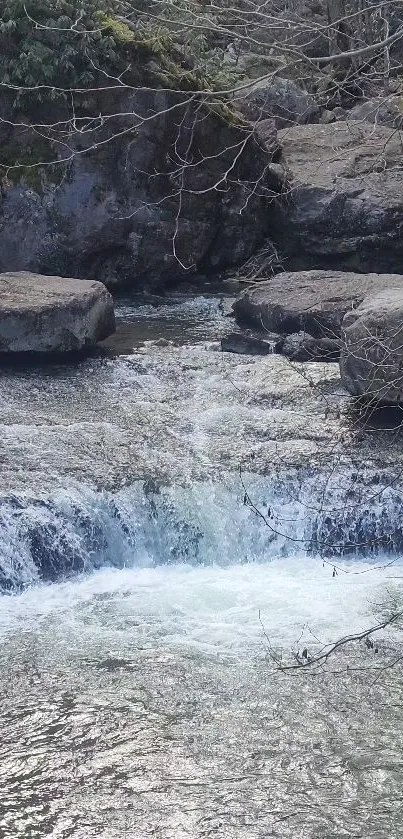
{"points": [[205, 608]]}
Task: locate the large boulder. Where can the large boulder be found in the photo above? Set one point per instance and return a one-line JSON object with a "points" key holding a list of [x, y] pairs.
{"points": [[383, 110], [371, 361], [303, 347], [314, 302], [52, 314], [168, 189], [277, 98], [344, 204]]}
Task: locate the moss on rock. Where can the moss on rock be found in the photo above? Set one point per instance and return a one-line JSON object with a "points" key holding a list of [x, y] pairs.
{"points": [[32, 163]]}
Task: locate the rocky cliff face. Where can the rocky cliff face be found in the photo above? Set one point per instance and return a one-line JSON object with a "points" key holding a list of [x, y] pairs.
{"points": [[179, 189], [167, 188]]}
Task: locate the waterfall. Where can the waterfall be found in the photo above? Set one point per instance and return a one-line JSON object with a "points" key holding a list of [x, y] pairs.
{"points": [[238, 520]]}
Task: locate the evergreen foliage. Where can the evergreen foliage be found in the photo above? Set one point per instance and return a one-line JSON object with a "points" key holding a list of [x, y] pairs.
{"points": [[59, 44], [48, 48]]}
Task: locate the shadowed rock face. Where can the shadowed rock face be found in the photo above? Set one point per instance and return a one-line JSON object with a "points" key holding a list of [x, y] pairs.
{"points": [[371, 362], [312, 301], [157, 200], [277, 98], [344, 206], [52, 314]]}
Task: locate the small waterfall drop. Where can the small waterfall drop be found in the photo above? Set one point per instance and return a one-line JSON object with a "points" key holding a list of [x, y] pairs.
{"points": [[241, 520]]}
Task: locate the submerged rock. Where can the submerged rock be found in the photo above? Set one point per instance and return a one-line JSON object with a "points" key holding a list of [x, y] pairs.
{"points": [[303, 347], [52, 314], [243, 344], [345, 197], [313, 302], [371, 363]]}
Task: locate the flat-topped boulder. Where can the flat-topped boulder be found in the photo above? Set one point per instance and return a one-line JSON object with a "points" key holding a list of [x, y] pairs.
{"points": [[344, 202], [314, 302], [52, 314]]}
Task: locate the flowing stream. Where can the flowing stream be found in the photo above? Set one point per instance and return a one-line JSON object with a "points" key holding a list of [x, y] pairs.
{"points": [[176, 524]]}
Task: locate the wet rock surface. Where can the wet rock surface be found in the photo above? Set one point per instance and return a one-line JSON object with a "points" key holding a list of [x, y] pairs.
{"points": [[244, 344], [41, 314], [303, 347], [178, 411]]}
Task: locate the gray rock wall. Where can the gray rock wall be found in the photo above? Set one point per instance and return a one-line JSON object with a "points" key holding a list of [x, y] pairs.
{"points": [[182, 192]]}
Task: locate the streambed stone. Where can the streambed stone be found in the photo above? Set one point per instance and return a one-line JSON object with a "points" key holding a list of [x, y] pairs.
{"points": [[245, 344], [52, 314], [371, 362], [314, 302]]}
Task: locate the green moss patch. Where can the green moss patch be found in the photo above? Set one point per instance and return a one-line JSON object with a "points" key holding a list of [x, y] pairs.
{"points": [[31, 163]]}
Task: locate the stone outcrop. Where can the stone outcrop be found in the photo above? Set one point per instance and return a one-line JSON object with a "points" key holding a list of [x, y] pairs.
{"points": [[266, 132], [281, 99], [371, 362], [52, 314], [344, 203], [379, 111], [163, 192], [314, 302]]}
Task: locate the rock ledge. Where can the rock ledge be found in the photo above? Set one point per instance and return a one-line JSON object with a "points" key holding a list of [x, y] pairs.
{"points": [[312, 301]]}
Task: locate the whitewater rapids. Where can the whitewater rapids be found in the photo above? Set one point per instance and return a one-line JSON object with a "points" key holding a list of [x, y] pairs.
{"points": [[147, 607]]}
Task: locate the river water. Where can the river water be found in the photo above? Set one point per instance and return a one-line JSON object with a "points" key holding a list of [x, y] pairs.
{"points": [[176, 523]]}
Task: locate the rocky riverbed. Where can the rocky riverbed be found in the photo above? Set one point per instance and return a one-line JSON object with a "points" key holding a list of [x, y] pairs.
{"points": [[176, 411], [174, 406], [196, 518], [146, 604]]}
